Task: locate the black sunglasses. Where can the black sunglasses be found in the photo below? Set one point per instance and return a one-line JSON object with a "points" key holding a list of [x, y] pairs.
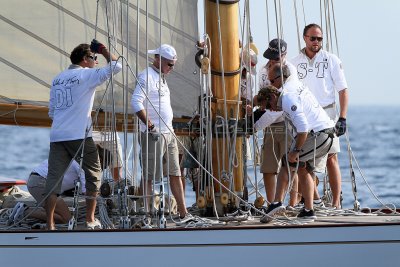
{"points": [[93, 57], [171, 65], [274, 79], [313, 38]]}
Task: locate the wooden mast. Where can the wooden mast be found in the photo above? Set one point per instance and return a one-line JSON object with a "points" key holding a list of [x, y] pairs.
{"points": [[229, 30]]}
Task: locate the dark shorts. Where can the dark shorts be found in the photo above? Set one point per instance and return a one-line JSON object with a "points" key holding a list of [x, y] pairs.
{"points": [[60, 156]]}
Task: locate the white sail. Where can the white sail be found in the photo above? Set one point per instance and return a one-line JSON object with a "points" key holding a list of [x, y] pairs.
{"points": [[37, 37]]}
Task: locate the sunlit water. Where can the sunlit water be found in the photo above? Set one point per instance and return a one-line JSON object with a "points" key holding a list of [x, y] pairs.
{"points": [[374, 138]]}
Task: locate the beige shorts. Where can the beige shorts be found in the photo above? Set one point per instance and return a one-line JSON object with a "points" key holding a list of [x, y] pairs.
{"points": [[331, 111], [275, 145], [165, 149], [35, 185]]}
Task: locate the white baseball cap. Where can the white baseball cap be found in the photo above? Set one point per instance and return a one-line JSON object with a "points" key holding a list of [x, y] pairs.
{"points": [[165, 51]]}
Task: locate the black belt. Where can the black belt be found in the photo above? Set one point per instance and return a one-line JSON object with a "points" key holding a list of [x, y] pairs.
{"points": [[35, 173], [326, 131]]}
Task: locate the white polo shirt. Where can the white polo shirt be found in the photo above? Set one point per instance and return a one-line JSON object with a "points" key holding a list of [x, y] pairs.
{"points": [[323, 75], [303, 110], [71, 100], [161, 99]]}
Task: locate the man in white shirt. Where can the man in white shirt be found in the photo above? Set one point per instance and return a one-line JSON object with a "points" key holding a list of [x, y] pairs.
{"points": [[314, 134], [70, 106], [323, 73], [151, 102], [37, 181]]}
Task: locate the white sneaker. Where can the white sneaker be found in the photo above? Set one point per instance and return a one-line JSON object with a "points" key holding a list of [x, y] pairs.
{"points": [[96, 224], [318, 203], [188, 218]]}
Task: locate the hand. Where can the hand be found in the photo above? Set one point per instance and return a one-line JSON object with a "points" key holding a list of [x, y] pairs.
{"points": [[96, 47], [154, 133], [341, 127], [293, 157]]}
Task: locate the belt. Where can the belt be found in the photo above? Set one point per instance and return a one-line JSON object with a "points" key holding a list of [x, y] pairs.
{"points": [[330, 106], [330, 131], [35, 173]]}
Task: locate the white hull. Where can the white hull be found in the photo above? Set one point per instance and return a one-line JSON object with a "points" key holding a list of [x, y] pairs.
{"points": [[369, 245]]}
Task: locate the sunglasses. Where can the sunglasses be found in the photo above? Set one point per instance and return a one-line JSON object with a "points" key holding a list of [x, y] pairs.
{"points": [[171, 65], [274, 79], [313, 38], [93, 57]]}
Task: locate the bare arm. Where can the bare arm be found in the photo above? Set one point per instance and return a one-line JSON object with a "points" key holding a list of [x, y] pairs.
{"points": [[107, 55], [142, 115], [343, 101]]}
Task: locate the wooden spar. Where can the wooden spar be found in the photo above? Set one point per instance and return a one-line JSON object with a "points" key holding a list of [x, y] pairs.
{"points": [[228, 16], [37, 116]]}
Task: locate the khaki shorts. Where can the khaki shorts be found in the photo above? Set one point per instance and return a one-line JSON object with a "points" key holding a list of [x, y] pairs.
{"points": [[60, 156], [331, 111], [315, 151], [166, 148], [274, 147], [36, 185]]}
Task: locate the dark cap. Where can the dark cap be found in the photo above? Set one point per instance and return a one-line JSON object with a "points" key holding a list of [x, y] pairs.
{"points": [[273, 49]]}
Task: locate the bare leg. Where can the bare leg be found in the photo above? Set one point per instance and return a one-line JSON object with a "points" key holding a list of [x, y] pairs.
{"points": [[148, 185], [294, 192], [270, 186], [335, 178], [50, 206], [116, 173], [177, 191], [282, 184], [307, 187], [61, 212], [90, 206]]}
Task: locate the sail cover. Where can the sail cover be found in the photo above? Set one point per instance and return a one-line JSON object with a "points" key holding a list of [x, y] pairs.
{"points": [[38, 36]]}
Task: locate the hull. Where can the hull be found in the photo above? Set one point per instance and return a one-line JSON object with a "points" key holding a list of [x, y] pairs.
{"points": [[345, 245]]}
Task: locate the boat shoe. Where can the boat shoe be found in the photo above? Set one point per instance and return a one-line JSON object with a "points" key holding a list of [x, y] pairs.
{"points": [[188, 218], [273, 209], [96, 224]]}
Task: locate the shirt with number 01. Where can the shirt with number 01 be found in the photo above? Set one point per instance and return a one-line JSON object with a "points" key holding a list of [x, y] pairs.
{"points": [[71, 100]]}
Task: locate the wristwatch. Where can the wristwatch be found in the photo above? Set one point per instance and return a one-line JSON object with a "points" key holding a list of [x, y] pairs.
{"points": [[298, 150]]}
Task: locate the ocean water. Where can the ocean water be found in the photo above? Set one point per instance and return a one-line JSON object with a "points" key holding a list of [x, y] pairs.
{"points": [[374, 139]]}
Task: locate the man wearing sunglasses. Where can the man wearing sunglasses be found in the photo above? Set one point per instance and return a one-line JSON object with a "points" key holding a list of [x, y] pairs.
{"points": [[151, 101], [70, 106], [323, 74]]}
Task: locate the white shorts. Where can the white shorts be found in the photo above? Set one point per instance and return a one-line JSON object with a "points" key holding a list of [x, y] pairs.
{"points": [[331, 111]]}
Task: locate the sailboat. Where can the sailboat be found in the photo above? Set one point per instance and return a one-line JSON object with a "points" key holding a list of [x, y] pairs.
{"points": [[40, 35]]}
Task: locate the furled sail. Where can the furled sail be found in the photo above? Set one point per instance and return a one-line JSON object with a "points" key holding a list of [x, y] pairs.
{"points": [[37, 37]]}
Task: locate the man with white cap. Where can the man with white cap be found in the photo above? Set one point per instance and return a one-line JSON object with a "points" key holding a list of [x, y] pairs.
{"points": [[151, 101]]}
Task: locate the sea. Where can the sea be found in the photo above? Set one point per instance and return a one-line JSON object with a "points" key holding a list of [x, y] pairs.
{"points": [[373, 142]]}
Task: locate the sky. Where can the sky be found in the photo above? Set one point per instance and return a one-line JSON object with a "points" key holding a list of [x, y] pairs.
{"points": [[368, 35]]}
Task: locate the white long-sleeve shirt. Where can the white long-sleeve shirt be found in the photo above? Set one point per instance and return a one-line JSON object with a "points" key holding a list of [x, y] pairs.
{"points": [[71, 100], [161, 99]]}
